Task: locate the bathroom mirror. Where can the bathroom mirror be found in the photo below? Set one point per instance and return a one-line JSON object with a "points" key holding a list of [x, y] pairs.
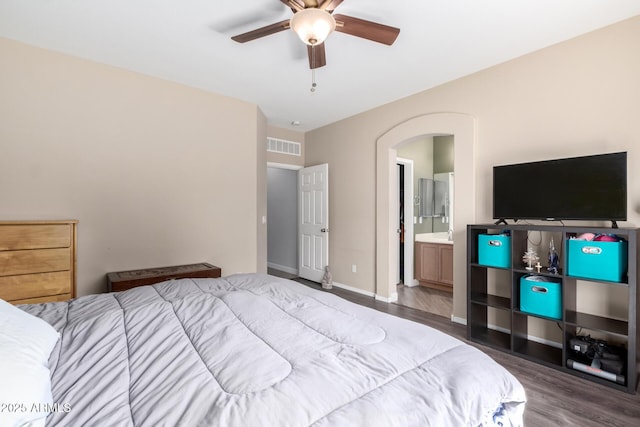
{"points": [[435, 196], [425, 191]]}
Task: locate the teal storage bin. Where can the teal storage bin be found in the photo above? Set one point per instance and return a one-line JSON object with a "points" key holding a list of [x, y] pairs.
{"points": [[541, 296], [494, 250], [597, 260]]}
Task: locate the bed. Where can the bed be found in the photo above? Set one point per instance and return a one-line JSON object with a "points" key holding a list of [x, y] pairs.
{"points": [[256, 350]]}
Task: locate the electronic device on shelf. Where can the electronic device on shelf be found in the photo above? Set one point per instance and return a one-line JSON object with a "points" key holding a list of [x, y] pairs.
{"points": [[597, 357], [578, 188]]}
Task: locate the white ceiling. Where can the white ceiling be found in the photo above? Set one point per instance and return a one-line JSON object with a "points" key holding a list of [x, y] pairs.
{"points": [[188, 41]]}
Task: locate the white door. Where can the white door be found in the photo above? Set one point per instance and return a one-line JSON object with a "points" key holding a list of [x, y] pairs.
{"points": [[313, 196], [408, 223]]}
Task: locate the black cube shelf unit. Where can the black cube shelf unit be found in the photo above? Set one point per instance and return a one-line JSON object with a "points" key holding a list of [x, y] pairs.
{"points": [[485, 305]]}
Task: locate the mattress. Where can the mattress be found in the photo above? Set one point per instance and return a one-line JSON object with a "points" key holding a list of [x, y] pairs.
{"points": [[255, 350]]}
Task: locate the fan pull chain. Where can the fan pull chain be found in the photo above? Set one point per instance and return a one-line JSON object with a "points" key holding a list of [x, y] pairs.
{"points": [[313, 69]]}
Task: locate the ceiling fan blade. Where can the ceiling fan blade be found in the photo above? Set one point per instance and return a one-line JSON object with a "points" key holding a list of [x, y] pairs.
{"points": [[262, 32], [317, 56], [330, 5], [295, 5], [366, 29]]}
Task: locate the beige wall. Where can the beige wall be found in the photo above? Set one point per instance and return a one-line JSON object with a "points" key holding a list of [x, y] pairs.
{"points": [[443, 162], [287, 135], [576, 98], [351, 196], [443, 158], [157, 173], [419, 150]]}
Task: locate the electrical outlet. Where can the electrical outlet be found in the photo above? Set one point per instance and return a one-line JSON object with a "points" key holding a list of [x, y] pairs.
{"points": [[354, 269]]}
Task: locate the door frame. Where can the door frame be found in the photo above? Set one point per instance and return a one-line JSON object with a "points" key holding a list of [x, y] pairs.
{"points": [[409, 255], [464, 129], [288, 167]]}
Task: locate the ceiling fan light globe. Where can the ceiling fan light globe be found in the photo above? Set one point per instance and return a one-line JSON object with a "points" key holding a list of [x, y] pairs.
{"points": [[313, 26]]}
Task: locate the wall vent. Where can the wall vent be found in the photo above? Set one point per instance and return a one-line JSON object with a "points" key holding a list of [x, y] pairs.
{"points": [[282, 146]]}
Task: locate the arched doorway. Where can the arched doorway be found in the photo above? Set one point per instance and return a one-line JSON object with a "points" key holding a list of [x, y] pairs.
{"points": [[463, 127]]}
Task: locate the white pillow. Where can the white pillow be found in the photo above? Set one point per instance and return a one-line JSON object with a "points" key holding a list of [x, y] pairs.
{"points": [[25, 345]]}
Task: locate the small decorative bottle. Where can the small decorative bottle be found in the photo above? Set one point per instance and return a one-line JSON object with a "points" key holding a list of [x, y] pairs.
{"points": [[553, 258]]}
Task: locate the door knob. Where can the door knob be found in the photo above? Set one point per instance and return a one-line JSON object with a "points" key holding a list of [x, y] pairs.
{"points": [[324, 230]]}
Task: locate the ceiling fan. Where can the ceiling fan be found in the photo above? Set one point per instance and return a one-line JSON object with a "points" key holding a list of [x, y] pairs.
{"points": [[313, 21]]}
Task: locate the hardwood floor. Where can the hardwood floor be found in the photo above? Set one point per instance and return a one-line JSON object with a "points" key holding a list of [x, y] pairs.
{"points": [[554, 398], [425, 299]]}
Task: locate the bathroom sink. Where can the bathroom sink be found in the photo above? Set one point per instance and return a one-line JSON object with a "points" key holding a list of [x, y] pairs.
{"points": [[434, 238]]}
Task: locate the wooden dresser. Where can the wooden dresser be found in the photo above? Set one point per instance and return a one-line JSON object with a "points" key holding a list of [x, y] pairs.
{"points": [[123, 280], [37, 261]]}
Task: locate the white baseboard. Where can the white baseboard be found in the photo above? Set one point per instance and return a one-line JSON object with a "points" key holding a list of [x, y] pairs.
{"points": [[412, 284], [284, 268], [352, 289], [459, 320], [392, 298]]}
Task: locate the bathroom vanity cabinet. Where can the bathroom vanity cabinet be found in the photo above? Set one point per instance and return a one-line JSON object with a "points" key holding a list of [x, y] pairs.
{"points": [[434, 265]]}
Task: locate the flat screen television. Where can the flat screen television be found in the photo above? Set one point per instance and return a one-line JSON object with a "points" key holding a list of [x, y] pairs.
{"points": [[577, 188]]}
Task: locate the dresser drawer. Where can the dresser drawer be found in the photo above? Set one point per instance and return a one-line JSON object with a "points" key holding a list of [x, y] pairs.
{"points": [[38, 261], [38, 300], [13, 288], [35, 236], [34, 261]]}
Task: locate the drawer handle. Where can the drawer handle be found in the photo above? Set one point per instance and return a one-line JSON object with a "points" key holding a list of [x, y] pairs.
{"points": [[539, 289], [495, 243], [591, 250]]}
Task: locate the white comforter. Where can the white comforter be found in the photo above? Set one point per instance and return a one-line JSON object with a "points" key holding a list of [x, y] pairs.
{"points": [[255, 350]]}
